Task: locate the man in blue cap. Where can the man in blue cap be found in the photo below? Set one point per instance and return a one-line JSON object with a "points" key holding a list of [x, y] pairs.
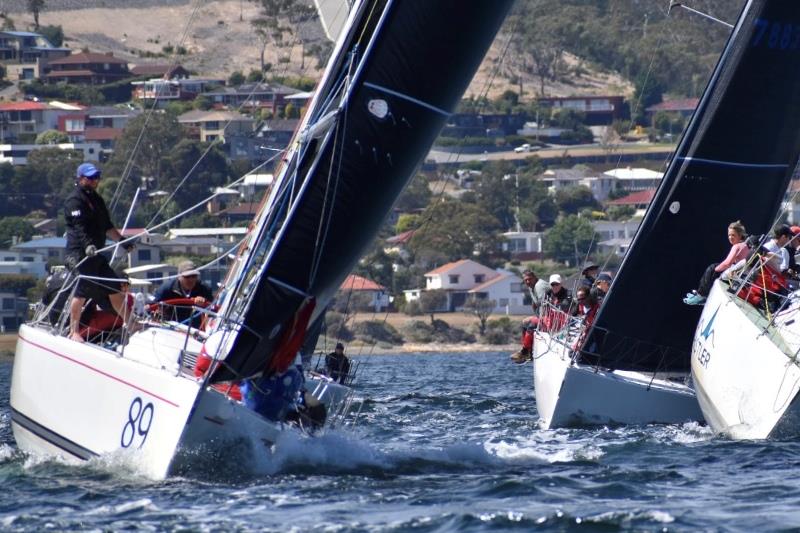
{"points": [[88, 225]]}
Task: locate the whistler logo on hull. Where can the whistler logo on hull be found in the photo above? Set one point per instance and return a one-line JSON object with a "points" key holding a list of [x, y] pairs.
{"points": [[705, 339]]}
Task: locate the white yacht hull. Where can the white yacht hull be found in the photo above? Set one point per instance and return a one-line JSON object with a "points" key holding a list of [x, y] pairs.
{"points": [[80, 401], [573, 395], [745, 370]]}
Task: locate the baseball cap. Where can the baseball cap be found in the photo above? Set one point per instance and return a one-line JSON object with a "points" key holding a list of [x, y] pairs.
{"points": [[87, 170], [339, 345], [589, 266], [187, 268], [555, 278], [604, 276]]}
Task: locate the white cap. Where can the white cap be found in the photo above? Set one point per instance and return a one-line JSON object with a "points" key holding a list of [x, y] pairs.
{"points": [[555, 278]]}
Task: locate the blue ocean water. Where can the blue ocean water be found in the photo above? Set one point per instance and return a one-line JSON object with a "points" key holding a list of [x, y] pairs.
{"points": [[443, 442]]}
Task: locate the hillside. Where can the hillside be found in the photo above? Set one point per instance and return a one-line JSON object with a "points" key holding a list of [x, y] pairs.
{"points": [[555, 47]]}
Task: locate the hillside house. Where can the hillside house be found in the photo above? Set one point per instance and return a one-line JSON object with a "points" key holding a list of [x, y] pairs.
{"points": [[373, 296], [635, 179], [456, 278], [27, 119], [160, 91], [598, 110], [507, 291], [252, 95], [17, 154], [212, 125], [24, 54], [523, 245], [158, 70], [18, 262], [87, 68], [615, 236], [638, 200], [13, 311], [683, 108]]}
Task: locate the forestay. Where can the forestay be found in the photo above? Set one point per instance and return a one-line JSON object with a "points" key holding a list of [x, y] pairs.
{"points": [[733, 162]]}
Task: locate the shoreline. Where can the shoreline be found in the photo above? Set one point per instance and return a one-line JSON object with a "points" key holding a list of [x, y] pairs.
{"points": [[9, 341]]}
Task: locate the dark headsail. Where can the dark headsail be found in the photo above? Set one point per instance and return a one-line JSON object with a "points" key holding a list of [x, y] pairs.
{"points": [[734, 162], [401, 69]]}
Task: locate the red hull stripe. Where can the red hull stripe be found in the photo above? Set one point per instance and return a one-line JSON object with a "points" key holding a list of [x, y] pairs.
{"points": [[106, 374]]}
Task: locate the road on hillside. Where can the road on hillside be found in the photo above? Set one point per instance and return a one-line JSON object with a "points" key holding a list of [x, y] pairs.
{"points": [[586, 150]]}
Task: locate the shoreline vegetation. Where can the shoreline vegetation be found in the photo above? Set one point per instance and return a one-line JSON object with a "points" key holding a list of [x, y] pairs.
{"points": [[359, 346]]}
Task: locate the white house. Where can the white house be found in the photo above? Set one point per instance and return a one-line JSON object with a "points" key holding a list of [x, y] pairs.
{"points": [[13, 311], [254, 183], [615, 236], [523, 244], [508, 293], [456, 278], [18, 262], [635, 179], [376, 295]]}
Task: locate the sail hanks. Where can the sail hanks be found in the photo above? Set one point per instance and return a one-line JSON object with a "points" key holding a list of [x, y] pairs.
{"points": [[734, 162], [412, 60]]}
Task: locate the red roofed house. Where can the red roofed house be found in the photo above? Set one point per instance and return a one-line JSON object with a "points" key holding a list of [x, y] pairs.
{"points": [[638, 199], [167, 72], [457, 278], [398, 244], [684, 107], [87, 68], [373, 296]]}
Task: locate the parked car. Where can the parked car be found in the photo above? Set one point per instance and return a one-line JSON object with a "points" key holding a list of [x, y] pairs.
{"points": [[525, 148]]}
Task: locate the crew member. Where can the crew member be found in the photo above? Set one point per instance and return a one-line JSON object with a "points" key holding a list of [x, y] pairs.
{"points": [[186, 286], [88, 225], [337, 365]]}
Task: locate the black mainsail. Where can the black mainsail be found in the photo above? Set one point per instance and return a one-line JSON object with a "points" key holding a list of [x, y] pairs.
{"points": [[734, 162], [399, 69]]}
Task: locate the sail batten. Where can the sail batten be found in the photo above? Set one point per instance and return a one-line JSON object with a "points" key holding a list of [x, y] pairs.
{"points": [[733, 162]]}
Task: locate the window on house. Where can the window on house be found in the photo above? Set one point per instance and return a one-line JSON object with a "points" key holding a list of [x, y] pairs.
{"points": [[479, 278], [8, 304], [502, 302], [144, 255], [27, 258], [52, 253], [453, 278]]}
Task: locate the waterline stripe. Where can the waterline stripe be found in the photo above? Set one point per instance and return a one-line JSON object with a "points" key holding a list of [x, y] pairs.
{"points": [[731, 163], [51, 437], [408, 98]]}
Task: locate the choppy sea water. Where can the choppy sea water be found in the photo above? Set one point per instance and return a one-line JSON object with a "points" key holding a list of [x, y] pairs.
{"points": [[444, 442]]}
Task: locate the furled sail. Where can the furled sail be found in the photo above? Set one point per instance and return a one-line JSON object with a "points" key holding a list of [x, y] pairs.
{"points": [[734, 162], [399, 69]]}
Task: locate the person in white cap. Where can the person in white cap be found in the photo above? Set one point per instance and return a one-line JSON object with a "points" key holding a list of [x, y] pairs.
{"points": [[186, 286], [558, 295]]}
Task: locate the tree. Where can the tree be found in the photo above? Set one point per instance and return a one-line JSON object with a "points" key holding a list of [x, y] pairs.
{"points": [[454, 230], [482, 308], [571, 200], [432, 301], [236, 78], [268, 27], [52, 137], [54, 34], [406, 222], [144, 145], [35, 7], [570, 239], [416, 195], [11, 227], [51, 170], [196, 168]]}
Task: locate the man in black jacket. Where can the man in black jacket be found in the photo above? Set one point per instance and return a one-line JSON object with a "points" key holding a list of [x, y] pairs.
{"points": [[186, 286], [88, 225], [337, 365]]}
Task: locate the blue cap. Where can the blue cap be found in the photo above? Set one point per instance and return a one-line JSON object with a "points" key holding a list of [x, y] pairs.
{"points": [[88, 170]]}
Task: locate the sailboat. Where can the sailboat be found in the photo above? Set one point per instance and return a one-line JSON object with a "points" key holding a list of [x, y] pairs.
{"points": [[746, 344], [633, 363], [396, 73]]}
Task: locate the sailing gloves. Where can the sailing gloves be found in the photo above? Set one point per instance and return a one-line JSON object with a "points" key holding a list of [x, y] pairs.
{"points": [[90, 250]]}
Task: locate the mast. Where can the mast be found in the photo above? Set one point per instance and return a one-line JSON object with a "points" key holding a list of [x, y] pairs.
{"points": [[734, 162], [399, 70]]}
